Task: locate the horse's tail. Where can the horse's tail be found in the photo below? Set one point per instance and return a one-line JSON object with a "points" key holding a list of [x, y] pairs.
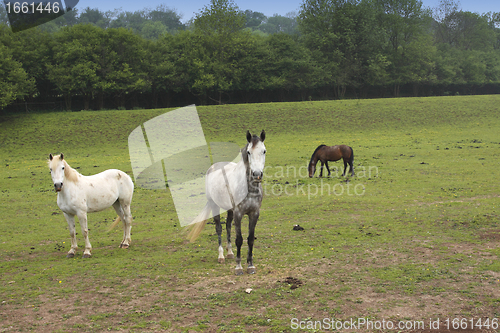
{"points": [[114, 224], [199, 223]]}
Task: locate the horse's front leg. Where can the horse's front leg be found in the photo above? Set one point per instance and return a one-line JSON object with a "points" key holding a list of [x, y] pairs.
{"points": [[82, 218], [229, 221], [327, 168], [321, 170], [72, 232], [252, 217], [239, 242]]}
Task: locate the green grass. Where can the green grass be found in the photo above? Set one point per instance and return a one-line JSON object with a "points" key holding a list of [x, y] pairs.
{"points": [[417, 226]]}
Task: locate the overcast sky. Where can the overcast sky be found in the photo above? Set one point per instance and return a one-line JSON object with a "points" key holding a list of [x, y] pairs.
{"points": [[187, 8]]}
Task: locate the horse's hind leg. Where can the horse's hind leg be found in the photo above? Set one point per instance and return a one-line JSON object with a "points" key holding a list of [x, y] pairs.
{"points": [[218, 229], [229, 221], [345, 167], [123, 211], [72, 232]]}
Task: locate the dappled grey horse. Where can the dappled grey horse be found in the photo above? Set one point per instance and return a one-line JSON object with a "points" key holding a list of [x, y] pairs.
{"points": [[235, 187]]}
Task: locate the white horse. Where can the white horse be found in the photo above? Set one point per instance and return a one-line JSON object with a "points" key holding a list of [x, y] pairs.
{"points": [[235, 187], [79, 195]]}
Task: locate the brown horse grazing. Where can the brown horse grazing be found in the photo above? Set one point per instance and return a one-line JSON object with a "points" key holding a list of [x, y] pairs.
{"points": [[331, 153]]}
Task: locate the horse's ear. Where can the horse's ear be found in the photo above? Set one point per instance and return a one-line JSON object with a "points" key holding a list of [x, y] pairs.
{"points": [[62, 156], [262, 135], [51, 157], [249, 137]]}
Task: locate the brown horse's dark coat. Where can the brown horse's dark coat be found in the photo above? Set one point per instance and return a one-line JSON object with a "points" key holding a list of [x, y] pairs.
{"points": [[331, 153]]}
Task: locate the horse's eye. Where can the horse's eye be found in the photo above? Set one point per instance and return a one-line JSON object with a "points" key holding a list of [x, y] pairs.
{"points": [[248, 153], [63, 168], [264, 152]]}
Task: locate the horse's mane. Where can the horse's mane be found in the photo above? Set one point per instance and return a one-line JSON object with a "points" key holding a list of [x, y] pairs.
{"points": [[315, 151], [244, 155], [69, 173], [244, 150]]}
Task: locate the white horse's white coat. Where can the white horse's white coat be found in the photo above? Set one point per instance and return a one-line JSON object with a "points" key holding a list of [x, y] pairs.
{"points": [[78, 195]]}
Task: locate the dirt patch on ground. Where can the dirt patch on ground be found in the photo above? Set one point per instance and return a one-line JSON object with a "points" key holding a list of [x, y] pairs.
{"points": [[336, 288], [294, 283], [492, 235]]}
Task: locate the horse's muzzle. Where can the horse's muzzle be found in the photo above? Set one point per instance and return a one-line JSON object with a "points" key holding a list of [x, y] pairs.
{"points": [[58, 187], [257, 176]]}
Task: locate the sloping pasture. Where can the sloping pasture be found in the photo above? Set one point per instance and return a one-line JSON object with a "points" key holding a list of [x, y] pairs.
{"points": [[414, 236]]}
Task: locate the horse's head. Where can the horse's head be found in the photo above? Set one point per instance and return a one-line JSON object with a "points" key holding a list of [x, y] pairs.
{"points": [[256, 155], [312, 169], [56, 166]]}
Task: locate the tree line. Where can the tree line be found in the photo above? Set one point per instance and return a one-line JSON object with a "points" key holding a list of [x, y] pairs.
{"points": [[329, 49]]}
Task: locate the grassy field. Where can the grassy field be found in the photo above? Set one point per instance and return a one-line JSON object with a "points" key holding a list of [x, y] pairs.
{"points": [[414, 236]]}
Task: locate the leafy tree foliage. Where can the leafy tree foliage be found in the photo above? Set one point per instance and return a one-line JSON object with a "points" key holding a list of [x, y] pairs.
{"points": [[14, 81], [330, 49], [218, 27]]}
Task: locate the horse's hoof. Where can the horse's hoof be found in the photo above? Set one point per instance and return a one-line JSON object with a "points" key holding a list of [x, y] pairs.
{"points": [[230, 256], [221, 260], [70, 255], [239, 271], [86, 256], [251, 270], [124, 246]]}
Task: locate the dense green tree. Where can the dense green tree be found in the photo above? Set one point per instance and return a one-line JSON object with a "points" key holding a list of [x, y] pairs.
{"points": [[14, 81], [95, 17], [341, 35], [466, 31], [169, 64], [405, 23], [33, 49], [153, 30], [122, 70], [254, 19], [75, 66], [218, 26], [130, 20], [278, 23], [290, 66], [166, 16]]}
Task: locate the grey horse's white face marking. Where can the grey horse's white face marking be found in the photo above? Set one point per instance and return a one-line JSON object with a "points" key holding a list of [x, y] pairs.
{"points": [[257, 160], [256, 154]]}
